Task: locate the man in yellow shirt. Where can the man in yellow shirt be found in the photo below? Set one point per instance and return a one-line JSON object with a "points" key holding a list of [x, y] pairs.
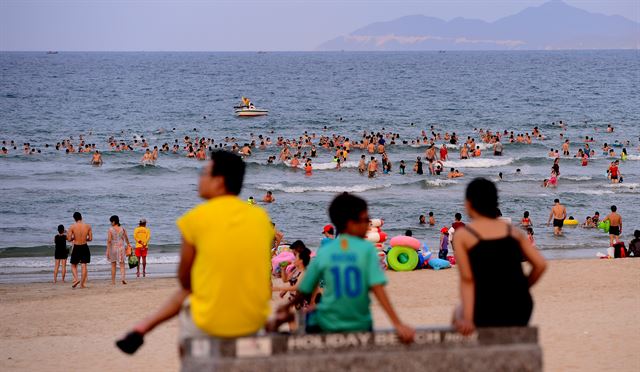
{"points": [[142, 235], [225, 262]]}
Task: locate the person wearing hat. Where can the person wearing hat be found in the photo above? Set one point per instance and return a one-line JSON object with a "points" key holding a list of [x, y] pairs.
{"points": [[142, 235], [444, 243], [328, 235]]}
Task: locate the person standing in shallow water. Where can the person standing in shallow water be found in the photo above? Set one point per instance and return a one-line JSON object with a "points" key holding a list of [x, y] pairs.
{"points": [[61, 253], [116, 240], [489, 253], [80, 233]]}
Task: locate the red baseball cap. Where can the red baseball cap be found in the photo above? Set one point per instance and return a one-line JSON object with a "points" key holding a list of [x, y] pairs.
{"points": [[444, 230], [327, 228]]}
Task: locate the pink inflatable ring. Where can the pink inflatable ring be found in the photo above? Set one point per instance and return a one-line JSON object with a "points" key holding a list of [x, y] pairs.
{"points": [[405, 241]]}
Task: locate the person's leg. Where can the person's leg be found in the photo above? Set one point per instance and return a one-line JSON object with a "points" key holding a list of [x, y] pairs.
{"points": [[55, 270], [611, 240], [84, 276], [123, 273], [74, 272], [144, 266], [138, 267], [113, 273], [64, 268]]}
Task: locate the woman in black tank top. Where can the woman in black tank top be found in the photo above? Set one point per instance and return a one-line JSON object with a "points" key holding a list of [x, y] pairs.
{"points": [[489, 253]]}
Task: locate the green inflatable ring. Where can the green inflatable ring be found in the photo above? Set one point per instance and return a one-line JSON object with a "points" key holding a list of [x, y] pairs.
{"points": [[604, 226], [402, 258]]}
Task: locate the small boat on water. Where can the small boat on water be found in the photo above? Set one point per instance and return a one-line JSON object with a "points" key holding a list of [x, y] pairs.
{"points": [[247, 109]]}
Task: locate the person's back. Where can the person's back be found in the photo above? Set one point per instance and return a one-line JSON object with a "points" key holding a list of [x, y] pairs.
{"points": [[228, 299], [78, 232], [502, 292], [141, 236], [349, 267]]}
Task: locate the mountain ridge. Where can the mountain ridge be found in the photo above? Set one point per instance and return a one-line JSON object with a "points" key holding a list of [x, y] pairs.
{"points": [[552, 25]]}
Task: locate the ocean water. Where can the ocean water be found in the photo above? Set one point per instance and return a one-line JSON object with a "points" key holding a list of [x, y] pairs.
{"points": [[46, 98]]}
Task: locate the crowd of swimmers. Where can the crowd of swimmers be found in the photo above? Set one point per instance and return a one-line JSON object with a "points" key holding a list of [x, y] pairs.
{"points": [[299, 152]]}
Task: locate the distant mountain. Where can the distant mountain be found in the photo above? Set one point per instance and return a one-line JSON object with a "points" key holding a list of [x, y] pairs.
{"points": [[553, 25]]}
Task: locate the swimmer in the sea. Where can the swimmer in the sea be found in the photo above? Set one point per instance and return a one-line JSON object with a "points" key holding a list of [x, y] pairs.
{"points": [[268, 197], [96, 158], [147, 158]]}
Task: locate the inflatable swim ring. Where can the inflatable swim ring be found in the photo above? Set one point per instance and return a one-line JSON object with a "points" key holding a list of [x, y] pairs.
{"points": [[604, 226], [402, 258], [372, 236], [405, 241], [570, 222], [376, 222]]}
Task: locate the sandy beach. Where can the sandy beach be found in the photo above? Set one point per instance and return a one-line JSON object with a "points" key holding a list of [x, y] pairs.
{"points": [[584, 308]]}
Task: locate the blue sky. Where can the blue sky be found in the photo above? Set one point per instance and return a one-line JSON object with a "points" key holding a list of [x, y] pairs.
{"points": [[209, 25]]}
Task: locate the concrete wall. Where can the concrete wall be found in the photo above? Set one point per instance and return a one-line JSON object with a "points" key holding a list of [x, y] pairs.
{"points": [[435, 349]]}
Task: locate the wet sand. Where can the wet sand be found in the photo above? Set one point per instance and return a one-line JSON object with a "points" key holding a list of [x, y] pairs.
{"points": [[586, 311]]}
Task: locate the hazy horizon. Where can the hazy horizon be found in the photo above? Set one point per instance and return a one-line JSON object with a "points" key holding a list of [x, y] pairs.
{"points": [[230, 26]]}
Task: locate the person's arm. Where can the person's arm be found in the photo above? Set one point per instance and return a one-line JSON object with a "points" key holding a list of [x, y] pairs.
{"points": [[405, 332], [108, 242], [126, 236], [289, 287], [538, 263], [464, 324], [90, 235], [70, 235], [170, 309], [187, 256], [564, 213]]}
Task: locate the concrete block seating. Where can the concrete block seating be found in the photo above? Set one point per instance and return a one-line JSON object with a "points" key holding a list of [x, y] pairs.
{"points": [[435, 349]]}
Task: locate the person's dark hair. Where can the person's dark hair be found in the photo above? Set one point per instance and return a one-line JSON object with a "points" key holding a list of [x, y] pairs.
{"points": [[636, 234], [483, 196], [556, 200], [614, 208], [345, 207], [408, 233], [526, 214], [530, 230], [305, 255], [60, 229], [231, 167], [430, 214], [598, 213], [115, 219], [458, 216], [331, 231], [297, 246], [77, 216]]}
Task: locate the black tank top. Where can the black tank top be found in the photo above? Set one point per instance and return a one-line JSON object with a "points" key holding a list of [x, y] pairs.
{"points": [[502, 296]]}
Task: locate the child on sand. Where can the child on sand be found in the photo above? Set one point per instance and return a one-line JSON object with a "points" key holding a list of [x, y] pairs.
{"points": [[350, 268], [61, 253], [444, 243]]}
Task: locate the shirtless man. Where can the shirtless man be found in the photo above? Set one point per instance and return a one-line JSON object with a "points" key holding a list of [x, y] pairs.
{"points": [[615, 227], [372, 167], [79, 234], [558, 213], [147, 158], [361, 164], [96, 159]]}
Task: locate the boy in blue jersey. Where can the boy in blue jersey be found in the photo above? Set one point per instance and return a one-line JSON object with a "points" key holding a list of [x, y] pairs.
{"points": [[349, 267]]}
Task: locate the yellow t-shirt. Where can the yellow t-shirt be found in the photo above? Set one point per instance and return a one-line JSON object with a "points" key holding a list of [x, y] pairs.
{"points": [[141, 233], [231, 273]]}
